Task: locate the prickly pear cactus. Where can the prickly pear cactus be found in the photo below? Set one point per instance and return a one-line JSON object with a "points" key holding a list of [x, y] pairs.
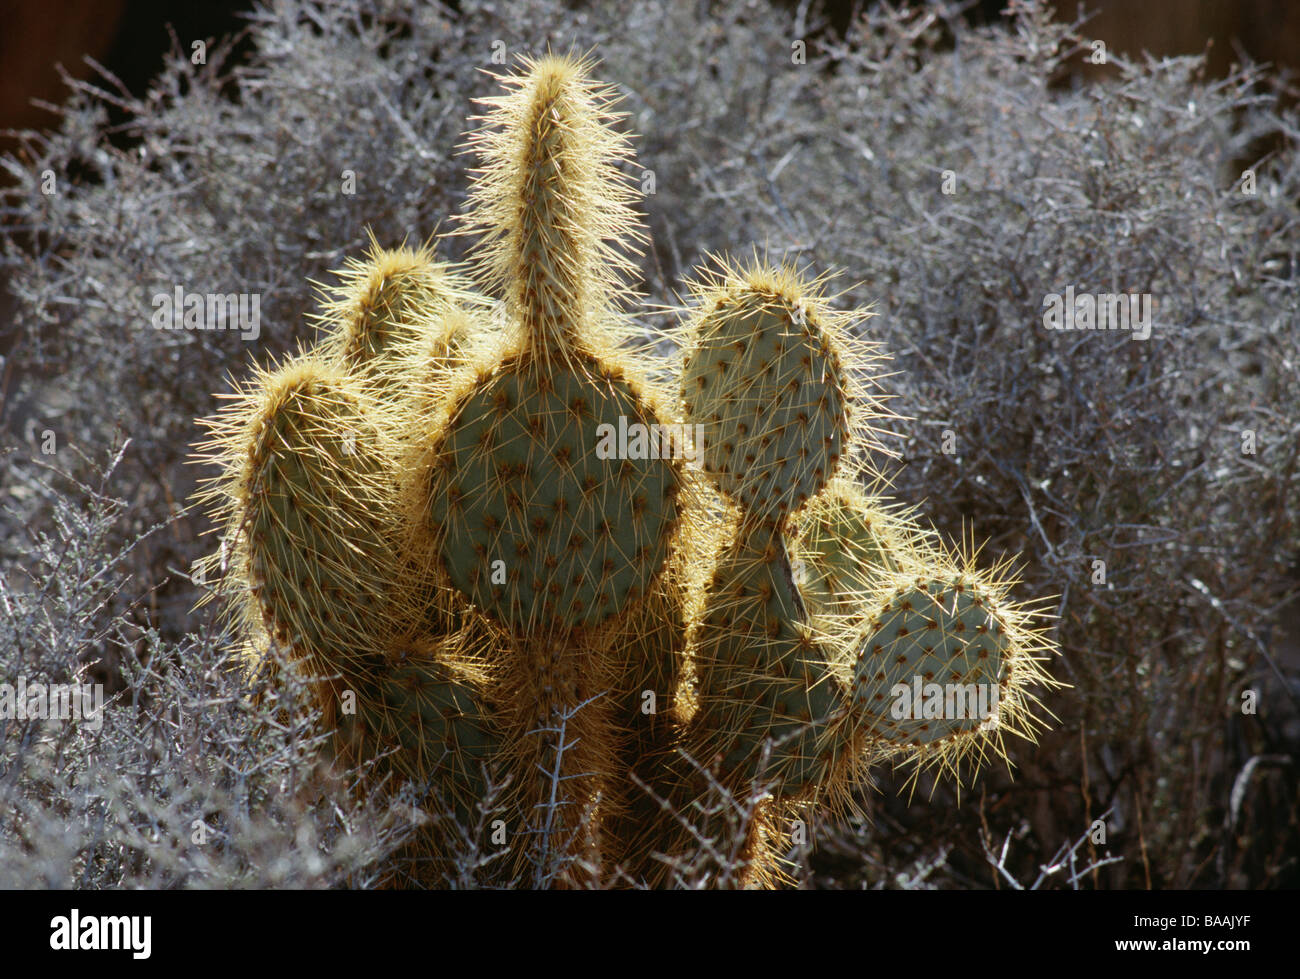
{"points": [[517, 570], [842, 544]]}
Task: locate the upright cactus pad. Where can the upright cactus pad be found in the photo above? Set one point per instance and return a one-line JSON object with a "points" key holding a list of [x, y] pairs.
{"points": [[553, 213], [763, 378], [543, 512], [539, 526], [763, 671], [310, 515], [395, 303], [843, 546]]}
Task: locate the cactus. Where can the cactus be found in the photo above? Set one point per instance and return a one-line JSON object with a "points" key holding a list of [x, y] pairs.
{"points": [[308, 505], [475, 536], [396, 309], [842, 544]]}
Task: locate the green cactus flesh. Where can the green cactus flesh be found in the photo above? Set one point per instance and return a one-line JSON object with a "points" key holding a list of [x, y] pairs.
{"points": [[432, 719], [552, 203], [767, 390], [318, 491], [764, 672], [542, 528], [940, 638]]}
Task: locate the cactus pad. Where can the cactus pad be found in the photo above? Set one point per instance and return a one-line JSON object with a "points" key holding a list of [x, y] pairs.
{"points": [[431, 716], [845, 544], [763, 380], [763, 671], [939, 632], [390, 302], [538, 527], [316, 498]]}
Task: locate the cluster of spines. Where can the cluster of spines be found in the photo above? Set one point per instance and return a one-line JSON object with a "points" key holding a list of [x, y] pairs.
{"points": [[552, 213]]}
